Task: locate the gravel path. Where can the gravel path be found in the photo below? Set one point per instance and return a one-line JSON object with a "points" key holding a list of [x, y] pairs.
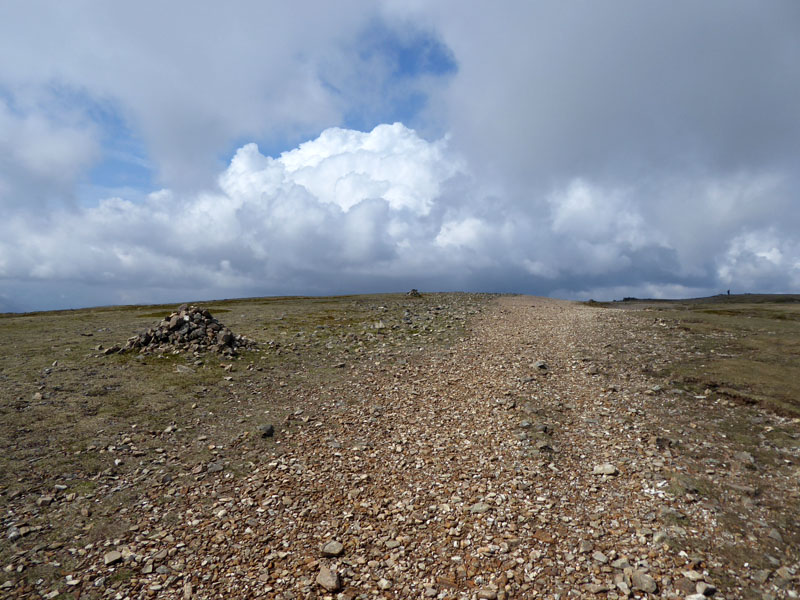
{"points": [[516, 464]]}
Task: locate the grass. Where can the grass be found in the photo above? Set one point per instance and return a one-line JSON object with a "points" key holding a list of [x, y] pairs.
{"points": [[743, 347], [73, 417], [728, 370]]}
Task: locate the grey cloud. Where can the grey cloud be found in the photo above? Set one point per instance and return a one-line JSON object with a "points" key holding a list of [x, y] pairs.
{"points": [[577, 149]]}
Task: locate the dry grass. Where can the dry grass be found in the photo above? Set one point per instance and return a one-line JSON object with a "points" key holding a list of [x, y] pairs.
{"points": [[68, 412]]}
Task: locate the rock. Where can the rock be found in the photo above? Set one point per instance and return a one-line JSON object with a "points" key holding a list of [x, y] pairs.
{"points": [[585, 546], [332, 548], [747, 490], [540, 365], [642, 581], [112, 557], [695, 597], [683, 484], [746, 459], [597, 588], [775, 535], [600, 557], [414, 293], [13, 533], [605, 469], [214, 467], [329, 579], [479, 508], [266, 430], [761, 575], [685, 586], [384, 584], [487, 594], [705, 589], [189, 328], [621, 563], [544, 536]]}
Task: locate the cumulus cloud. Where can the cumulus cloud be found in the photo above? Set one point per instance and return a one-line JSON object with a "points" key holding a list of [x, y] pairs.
{"points": [[755, 260], [344, 206], [387, 209]]}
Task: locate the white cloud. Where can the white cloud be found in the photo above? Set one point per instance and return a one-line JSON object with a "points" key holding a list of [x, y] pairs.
{"points": [[275, 225], [758, 260], [594, 214], [344, 167], [464, 233], [41, 156], [642, 148]]}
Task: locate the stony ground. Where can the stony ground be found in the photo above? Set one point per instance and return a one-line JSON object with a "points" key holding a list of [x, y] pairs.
{"points": [[533, 459]]}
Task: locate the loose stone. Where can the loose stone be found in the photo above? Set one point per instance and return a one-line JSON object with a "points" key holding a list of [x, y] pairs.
{"points": [[332, 548], [329, 579]]}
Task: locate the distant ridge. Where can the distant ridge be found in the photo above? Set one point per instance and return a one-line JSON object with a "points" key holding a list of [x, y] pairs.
{"points": [[732, 298]]}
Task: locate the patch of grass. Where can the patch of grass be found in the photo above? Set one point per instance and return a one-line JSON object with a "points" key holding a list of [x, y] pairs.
{"points": [[107, 428], [746, 352]]}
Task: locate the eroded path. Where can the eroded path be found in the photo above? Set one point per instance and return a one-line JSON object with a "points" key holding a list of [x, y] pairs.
{"points": [[524, 462]]}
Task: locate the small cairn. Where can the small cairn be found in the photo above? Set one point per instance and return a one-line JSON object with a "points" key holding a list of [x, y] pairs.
{"points": [[191, 329], [414, 294]]}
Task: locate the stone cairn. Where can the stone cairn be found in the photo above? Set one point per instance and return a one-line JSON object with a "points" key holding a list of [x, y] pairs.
{"points": [[192, 329], [414, 293]]}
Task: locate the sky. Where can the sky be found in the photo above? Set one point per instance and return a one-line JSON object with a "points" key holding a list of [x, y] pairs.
{"points": [[165, 152]]}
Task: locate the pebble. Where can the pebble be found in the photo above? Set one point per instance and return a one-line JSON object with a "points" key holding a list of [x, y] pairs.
{"points": [[706, 589], [605, 469], [384, 583], [329, 579], [110, 558], [479, 508], [332, 548], [266, 430], [642, 581]]}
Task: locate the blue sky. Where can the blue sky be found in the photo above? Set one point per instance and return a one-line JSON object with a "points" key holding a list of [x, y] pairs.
{"points": [[559, 149]]}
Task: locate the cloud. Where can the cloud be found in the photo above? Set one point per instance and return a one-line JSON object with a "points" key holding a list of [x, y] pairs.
{"points": [[755, 260], [193, 82], [41, 156], [387, 209], [552, 148], [344, 206]]}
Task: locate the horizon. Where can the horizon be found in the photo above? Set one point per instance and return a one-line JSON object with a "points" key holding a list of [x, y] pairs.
{"points": [[196, 302]]}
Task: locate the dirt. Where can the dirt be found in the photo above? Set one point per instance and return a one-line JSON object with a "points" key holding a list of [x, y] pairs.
{"points": [[510, 447]]}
